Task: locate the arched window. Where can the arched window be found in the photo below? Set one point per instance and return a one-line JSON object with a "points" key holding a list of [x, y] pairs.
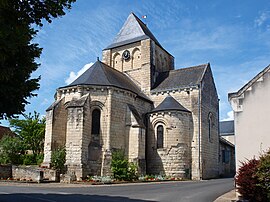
{"points": [[210, 127], [95, 121], [117, 62], [160, 136], [136, 58]]}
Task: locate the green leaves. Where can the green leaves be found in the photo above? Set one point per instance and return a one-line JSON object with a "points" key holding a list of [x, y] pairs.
{"points": [[11, 149], [121, 168], [18, 53], [31, 131], [253, 178], [263, 173], [59, 158]]}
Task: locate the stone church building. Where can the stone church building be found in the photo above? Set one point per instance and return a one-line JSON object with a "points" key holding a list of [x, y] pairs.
{"points": [[134, 100]]}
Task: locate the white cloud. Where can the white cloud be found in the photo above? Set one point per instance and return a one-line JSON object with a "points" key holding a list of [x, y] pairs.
{"points": [[45, 102], [229, 116], [73, 75], [262, 18]]}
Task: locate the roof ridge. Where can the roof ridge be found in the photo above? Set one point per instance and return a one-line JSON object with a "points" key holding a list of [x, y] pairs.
{"points": [[249, 83], [191, 67]]}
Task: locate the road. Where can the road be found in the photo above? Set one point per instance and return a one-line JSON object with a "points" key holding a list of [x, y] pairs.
{"points": [[187, 191]]}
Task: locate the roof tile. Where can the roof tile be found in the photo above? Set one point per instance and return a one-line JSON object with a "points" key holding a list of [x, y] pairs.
{"points": [[180, 78]]}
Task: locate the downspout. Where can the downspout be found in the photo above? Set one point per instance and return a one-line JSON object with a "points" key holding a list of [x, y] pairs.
{"points": [[199, 129]]}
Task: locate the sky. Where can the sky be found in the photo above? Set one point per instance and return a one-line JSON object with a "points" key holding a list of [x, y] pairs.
{"points": [[232, 35]]}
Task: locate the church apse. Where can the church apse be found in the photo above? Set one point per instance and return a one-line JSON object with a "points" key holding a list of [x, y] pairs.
{"points": [[169, 142]]}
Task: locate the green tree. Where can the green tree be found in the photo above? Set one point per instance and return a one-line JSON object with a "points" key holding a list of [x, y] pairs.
{"points": [[11, 150], [18, 20], [31, 131]]}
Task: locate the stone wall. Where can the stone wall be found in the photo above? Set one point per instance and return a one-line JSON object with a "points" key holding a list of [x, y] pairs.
{"points": [[161, 59], [28, 173], [209, 127], [5, 171], [188, 98], [174, 159]]}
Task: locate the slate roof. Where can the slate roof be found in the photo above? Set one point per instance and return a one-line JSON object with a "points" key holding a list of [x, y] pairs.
{"points": [[136, 115], [180, 78], [78, 103], [6, 131], [132, 31], [169, 104], [224, 141], [226, 128], [101, 74]]}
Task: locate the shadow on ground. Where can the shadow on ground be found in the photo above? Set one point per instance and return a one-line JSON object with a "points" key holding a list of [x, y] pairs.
{"points": [[63, 198]]}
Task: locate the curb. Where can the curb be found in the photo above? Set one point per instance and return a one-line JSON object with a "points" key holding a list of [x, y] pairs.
{"points": [[227, 197]]}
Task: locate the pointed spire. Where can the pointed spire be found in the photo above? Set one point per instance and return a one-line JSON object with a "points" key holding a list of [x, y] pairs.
{"points": [[133, 30]]}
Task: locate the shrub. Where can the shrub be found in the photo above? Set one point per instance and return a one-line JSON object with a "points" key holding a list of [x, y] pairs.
{"points": [[247, 181], [121, 168], [59, 159], [39, 159], [11, 149], [32, 159], [29, 159], [263, 173]]}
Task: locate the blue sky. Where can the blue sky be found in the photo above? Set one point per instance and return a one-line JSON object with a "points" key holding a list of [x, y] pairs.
{"points": [[233, 35]]}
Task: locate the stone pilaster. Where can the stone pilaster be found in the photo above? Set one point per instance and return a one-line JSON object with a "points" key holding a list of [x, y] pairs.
{"points": [[48, 139], [107, 154]]}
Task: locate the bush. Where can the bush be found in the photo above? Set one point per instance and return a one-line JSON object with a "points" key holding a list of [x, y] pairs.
{"points": [[121, 168], [11, 150], [32, 159], [247, 180], [59, 159], [39, 159], [263, 173], [29, 159]]}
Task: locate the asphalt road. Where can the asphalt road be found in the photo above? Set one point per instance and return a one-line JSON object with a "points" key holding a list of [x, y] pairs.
{"points": [[188, 191]]}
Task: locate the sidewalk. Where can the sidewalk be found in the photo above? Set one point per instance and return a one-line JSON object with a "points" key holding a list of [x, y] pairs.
{"points": [[227, 197]]}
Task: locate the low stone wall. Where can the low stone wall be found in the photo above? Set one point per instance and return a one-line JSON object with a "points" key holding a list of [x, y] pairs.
{"points": [[27, 173], [5, 171], [51, 175]]}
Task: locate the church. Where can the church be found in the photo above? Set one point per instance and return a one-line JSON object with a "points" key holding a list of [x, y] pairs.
{"points": [[164, 119]]}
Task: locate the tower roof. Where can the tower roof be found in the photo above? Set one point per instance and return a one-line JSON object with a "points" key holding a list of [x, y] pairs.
{"points": [[169, 104], [132, 31], [100, 74]]}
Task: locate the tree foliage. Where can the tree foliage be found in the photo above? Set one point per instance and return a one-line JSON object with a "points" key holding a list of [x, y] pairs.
{"points": [[253, 179], [121, 168], [31, 131], [18, 52], [263, 173], [11, 149], [59, 159]]}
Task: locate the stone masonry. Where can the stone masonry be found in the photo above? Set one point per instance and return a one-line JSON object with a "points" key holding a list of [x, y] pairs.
{"points": [[165, 120]]}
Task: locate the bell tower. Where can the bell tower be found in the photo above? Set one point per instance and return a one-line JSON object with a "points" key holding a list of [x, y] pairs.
{"points": [[137, 53]]}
